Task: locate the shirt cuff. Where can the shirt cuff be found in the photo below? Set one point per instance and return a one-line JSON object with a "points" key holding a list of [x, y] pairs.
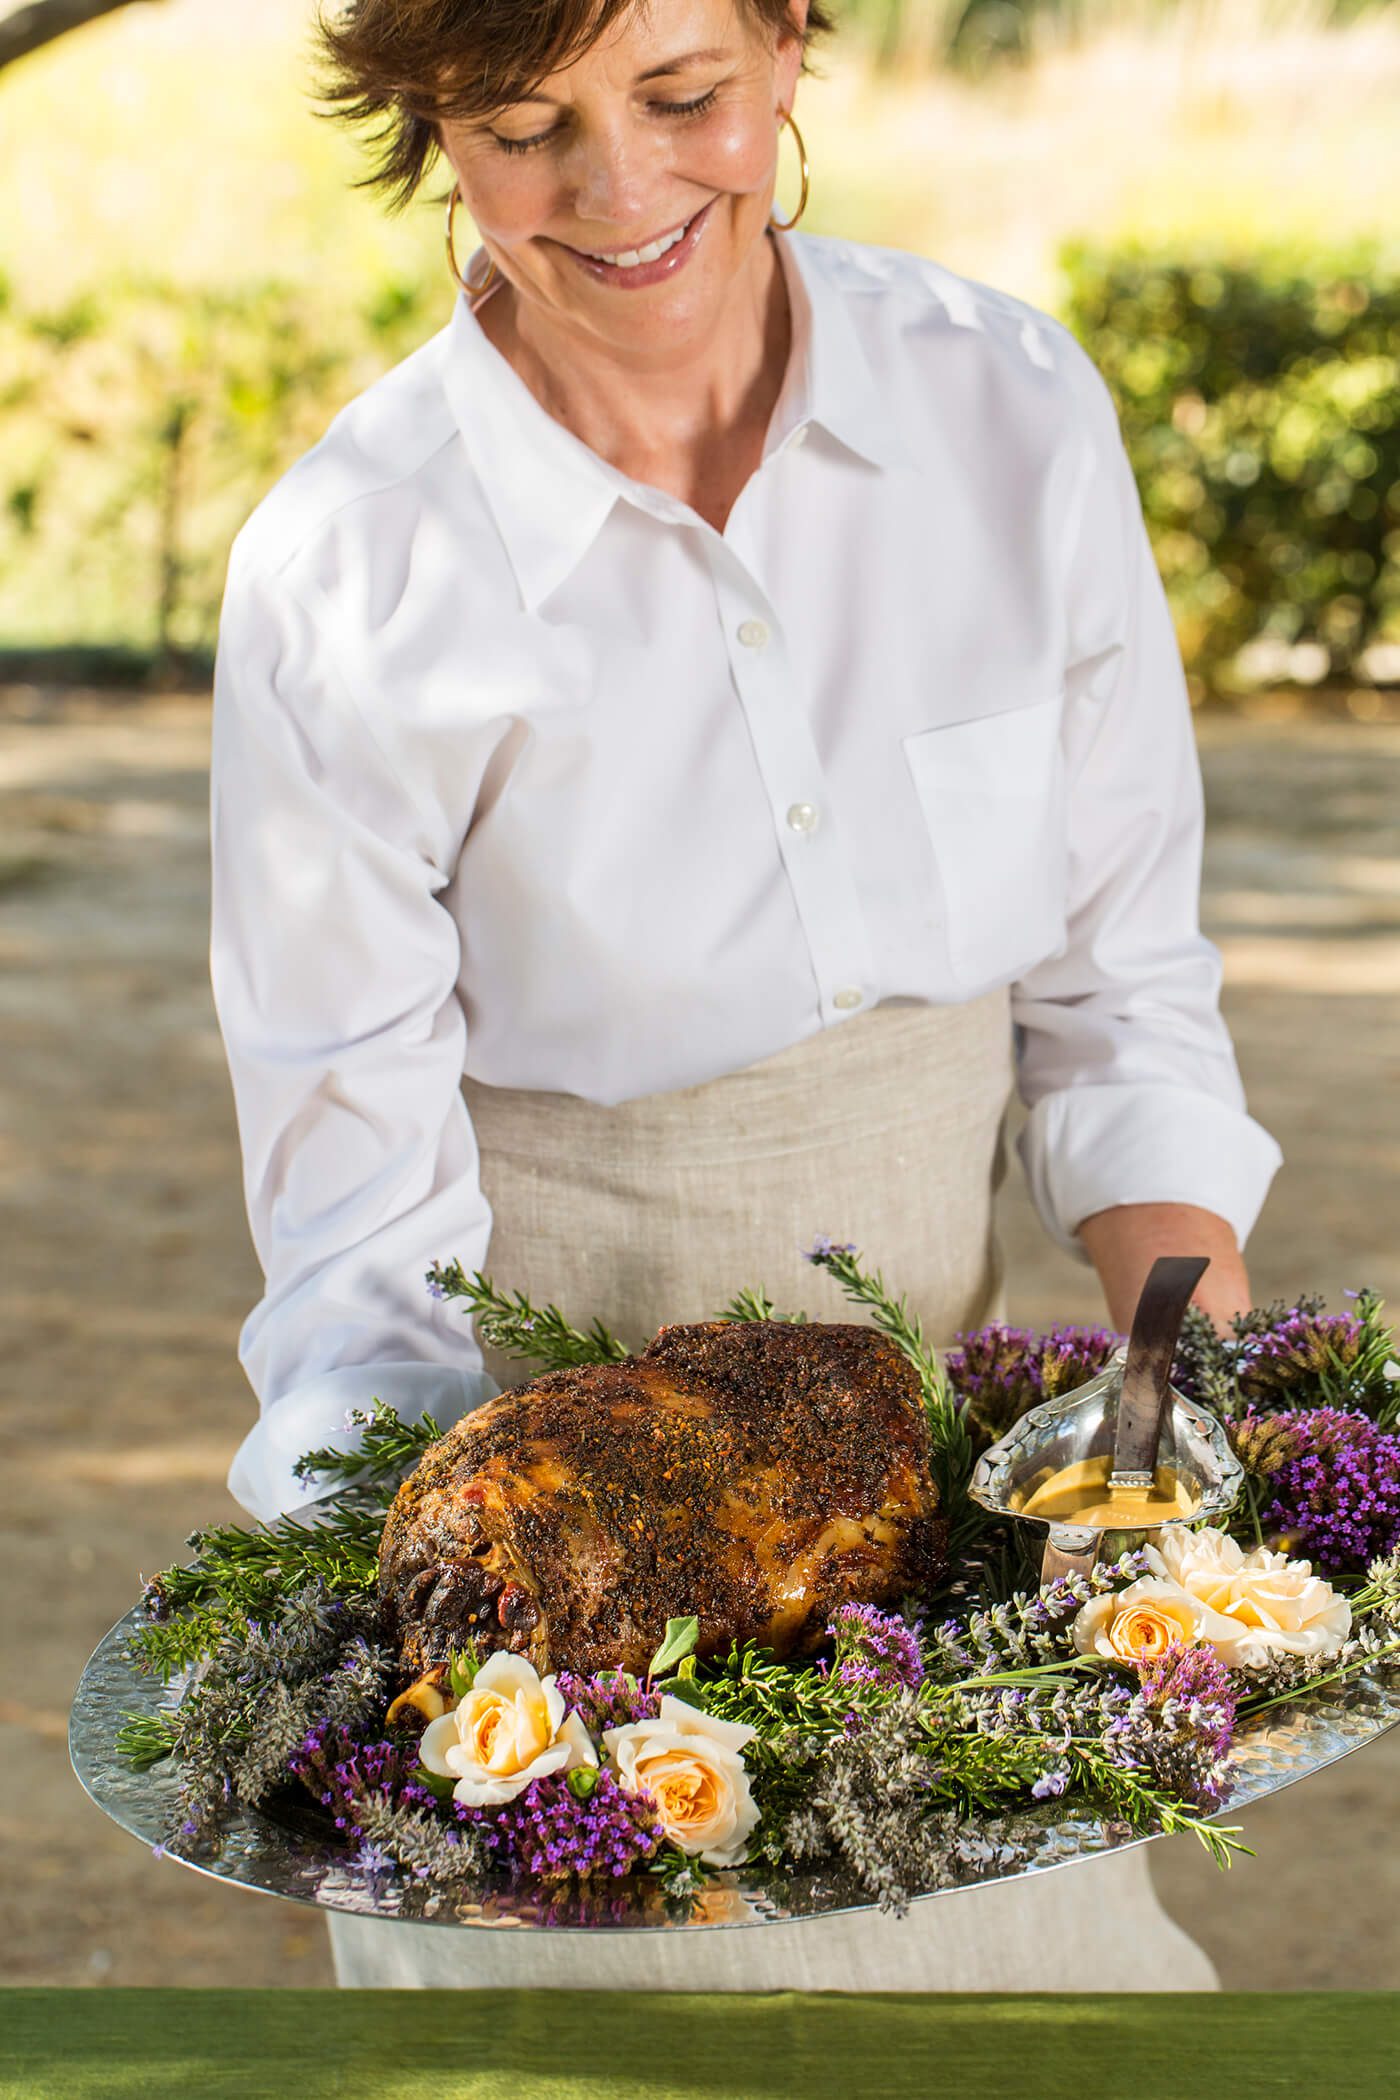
{"points": [[1087, 1148], [315, 1415]]}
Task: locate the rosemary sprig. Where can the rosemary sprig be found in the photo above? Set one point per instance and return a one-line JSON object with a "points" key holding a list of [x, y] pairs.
{"points": [[244, 1574], [1371, 1378], [146, 1739], [1144, 1804], [389, 1448], [754, 1303], [747, 1685], [952, 1453], [511, 1323], [165, 1649]]}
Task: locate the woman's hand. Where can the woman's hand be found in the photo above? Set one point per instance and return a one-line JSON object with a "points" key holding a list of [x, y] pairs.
{"points": [[1124, 1242]]}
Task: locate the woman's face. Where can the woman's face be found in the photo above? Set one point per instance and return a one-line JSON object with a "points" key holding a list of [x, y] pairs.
{"points": [[663, 134]]}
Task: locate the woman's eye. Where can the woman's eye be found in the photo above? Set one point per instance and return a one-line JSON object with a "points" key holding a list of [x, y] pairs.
{"points": [[665, 109], [688, 109]]}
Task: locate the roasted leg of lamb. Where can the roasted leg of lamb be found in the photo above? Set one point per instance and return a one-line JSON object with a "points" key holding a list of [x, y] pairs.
{"points": [[755, 1473]]}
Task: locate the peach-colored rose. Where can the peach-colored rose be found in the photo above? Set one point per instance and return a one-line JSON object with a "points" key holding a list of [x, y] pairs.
{"points": [[1139, 1623], [1256, 1605], [689, 1764], [510, 1728]]}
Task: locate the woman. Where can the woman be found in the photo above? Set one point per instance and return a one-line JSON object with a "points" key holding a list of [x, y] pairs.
{"points": [[686, 741]]}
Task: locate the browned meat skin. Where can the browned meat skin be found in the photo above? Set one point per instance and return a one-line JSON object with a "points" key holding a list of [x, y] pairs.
{"points": [[755, 1473]]}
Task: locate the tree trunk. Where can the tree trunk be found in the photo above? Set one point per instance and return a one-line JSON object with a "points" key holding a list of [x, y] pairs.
{"points": [[30, 27]]}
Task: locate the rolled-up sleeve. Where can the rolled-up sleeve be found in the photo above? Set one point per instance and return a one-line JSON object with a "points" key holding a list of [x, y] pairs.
{"points": [[334, 966], [1123, 1059]]}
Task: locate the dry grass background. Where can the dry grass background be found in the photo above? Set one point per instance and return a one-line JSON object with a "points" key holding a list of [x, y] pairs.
{"points": [[176, 139]]}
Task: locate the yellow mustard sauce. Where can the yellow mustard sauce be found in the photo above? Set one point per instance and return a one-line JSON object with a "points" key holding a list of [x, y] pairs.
{"points": [[1079, 1494]]}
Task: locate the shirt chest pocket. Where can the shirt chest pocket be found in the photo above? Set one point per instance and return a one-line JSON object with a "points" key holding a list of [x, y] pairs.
{"points": [[992, 793]]}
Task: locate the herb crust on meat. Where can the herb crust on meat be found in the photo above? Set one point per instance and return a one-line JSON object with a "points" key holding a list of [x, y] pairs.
{"points": [[755, 1473]]}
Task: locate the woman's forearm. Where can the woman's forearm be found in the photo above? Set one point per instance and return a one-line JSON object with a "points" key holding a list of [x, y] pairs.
{"points": [[1124, 1242]]}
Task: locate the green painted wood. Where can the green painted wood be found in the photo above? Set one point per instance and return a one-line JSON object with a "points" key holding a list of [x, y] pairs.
{"points": [[576, 2045]]}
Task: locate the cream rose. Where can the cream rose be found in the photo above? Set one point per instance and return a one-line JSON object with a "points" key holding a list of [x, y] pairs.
{"points": [[510, 1728], [1139, 1623], [1256, 1605], [689, 1764]]}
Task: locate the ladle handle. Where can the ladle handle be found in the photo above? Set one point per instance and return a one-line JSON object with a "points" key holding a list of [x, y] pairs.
{"points": [[1151, 1347]]}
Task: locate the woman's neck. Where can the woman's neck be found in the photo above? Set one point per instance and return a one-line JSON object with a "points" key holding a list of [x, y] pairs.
{"points": [[692, 422]]}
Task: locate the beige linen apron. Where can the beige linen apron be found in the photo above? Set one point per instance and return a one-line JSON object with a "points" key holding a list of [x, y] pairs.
{"points": [[885, 1131]]}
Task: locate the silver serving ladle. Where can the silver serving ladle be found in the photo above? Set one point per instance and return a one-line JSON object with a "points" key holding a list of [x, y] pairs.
{"points": [[1146, 1392], [1126, 1414]]}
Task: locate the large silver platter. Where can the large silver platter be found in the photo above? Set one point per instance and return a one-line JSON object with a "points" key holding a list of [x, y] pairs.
{"points": [[284, 1854]]}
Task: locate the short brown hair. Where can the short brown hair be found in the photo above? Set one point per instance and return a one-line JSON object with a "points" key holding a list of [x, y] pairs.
{"points": [[406, 64]]}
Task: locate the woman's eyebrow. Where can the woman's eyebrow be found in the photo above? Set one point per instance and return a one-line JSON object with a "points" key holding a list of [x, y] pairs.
{"points": [[671, 65]]}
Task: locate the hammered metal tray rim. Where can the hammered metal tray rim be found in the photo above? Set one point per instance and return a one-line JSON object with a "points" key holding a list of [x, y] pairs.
{"points": [[261, 1854]]}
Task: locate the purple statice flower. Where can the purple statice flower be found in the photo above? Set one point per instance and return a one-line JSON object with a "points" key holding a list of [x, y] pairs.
{"points": [[874, 1648], [607, 1700], [1291, 1357], [1335, 1482], [342, 1774], [435, 1289], [556, 1831], [999, 1373]]}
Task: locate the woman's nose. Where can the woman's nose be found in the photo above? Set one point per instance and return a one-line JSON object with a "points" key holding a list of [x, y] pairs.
{"points": [[608, 177]]}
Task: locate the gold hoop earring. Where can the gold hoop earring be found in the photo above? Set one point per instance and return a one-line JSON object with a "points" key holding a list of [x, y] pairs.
{"points": [[473, 291], [786, 225]]}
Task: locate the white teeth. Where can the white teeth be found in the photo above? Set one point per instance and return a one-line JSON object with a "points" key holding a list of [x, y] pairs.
{"points": [[630, 257]]}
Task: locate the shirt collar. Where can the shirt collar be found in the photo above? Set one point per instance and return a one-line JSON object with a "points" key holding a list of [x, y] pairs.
{"points": [[550, 494]]}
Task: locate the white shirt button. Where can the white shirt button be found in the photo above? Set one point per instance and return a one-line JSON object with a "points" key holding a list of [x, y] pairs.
{"points": [[753, 634], [847, 997], [802, 817]]}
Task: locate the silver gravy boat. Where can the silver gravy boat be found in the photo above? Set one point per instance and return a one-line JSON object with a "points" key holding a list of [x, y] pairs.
{"points": [[1126, 1429]]}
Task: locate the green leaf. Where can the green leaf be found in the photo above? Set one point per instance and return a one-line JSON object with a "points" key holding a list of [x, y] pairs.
{"points": [[679, 1640], [438, 1784], [462, 1666], [688, 1689]]}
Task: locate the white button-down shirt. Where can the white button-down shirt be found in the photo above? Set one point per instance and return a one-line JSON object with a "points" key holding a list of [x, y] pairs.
{"points": [[523, 770]]}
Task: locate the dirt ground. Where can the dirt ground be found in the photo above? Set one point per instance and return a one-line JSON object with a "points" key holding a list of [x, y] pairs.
{"points": [[127, 1271]]}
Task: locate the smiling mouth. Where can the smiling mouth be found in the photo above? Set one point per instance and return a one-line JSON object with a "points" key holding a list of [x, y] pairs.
{"points": [[652, 251]]}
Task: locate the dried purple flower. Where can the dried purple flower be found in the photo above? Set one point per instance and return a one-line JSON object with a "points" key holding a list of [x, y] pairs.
{"points": [[1196, 1679], [608, 1700], [999, 1373], [1179, 1726], [553, 1834], [874, 1648], [1299, 1350], [1335, 1481], [343, 1774]]}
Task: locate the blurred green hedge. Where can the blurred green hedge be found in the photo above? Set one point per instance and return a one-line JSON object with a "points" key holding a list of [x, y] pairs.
{"points": [[1260, 407], [138, 428], [1261, 411]]}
